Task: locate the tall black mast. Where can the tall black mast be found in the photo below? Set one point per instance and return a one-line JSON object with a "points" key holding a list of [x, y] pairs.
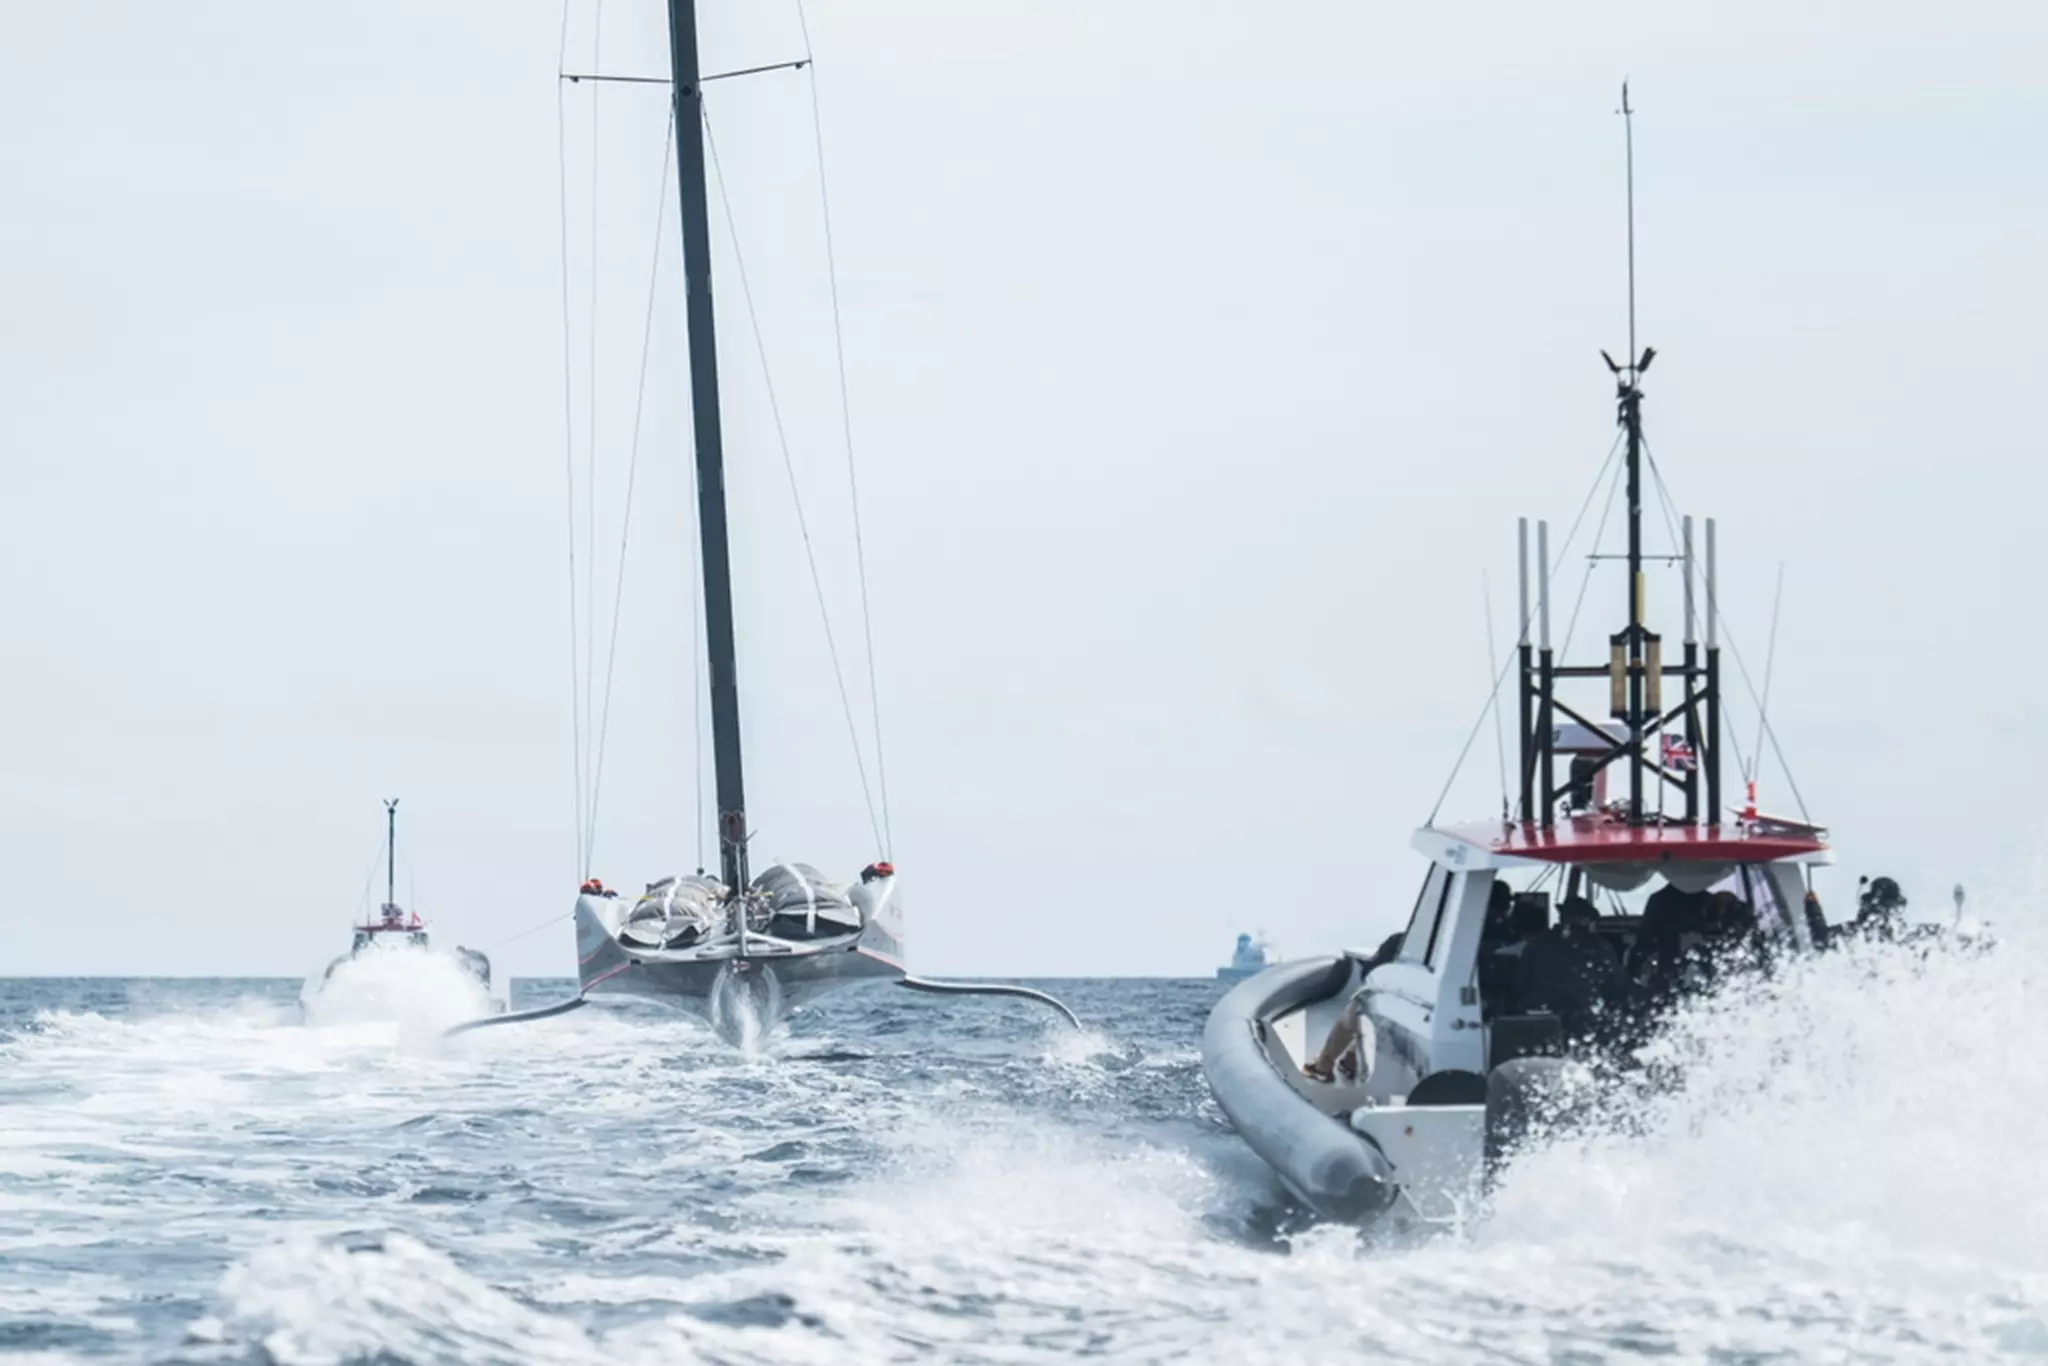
{"points": [[391, 851], [725, 696]]}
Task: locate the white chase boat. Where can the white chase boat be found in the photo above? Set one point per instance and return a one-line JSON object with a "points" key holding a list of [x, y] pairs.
{"points": [[1562, 930]]}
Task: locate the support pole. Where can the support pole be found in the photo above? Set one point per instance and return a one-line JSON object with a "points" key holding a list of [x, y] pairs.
{"points": [[1711, 761], [391, 852], [1526, 669], [1546, 680], [1690, 684]]}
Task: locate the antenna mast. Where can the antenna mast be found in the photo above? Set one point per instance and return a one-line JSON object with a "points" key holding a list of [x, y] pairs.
{"points": [[1635, 654], [1635, 668], [391, 851]]}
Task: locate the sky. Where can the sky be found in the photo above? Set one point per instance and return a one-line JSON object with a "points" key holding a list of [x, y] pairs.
{"points": [[1199, 358]]}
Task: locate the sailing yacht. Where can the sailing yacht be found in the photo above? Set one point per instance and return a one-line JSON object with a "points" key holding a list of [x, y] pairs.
{"points": [[735, 946]]}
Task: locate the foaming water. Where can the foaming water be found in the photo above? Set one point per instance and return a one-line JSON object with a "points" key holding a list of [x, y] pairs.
{"points": [[1846, 1174], [420, 991], [1852, 1156]]}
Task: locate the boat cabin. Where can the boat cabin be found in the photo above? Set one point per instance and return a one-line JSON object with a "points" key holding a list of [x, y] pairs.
{"points": [[1526, 938], [393, 925]]}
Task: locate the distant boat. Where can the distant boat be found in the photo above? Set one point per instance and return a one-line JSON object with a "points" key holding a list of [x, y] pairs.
{"points": [[1248, 961], [393, 929]]}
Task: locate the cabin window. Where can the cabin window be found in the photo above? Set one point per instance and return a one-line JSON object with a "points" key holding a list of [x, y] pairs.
{"points": [[1428, 909], [1436, 925]]}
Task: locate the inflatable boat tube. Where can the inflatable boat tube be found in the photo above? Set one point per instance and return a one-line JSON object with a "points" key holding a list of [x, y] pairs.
{"points": [[1335, 1170]]}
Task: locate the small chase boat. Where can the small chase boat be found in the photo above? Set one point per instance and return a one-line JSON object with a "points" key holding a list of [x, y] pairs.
{"points": [[393, 929], [1249, 959], [1395, 1081]]}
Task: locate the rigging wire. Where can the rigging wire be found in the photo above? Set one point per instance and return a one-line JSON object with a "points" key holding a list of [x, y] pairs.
{"points": [[370, 877], [497, 944], [1669, 506], [1500, 744], [1763, 716], [846, 431], [1770, 666], [569, 437], [603, 726], [590, 436], [1592, 561], [1501, 674], [789, 467]]}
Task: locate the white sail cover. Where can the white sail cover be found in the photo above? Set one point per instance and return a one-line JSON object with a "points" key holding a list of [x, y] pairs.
{"points": [[798, 892], [686, 909]]}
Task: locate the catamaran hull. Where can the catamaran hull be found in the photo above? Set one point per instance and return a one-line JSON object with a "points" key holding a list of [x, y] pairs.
{"points": [[737, 992]]}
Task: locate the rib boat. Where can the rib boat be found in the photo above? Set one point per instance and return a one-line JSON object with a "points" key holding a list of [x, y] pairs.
{"points": [[1394, 1081]]}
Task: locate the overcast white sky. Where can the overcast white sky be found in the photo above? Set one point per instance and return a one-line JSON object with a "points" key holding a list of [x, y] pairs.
{"points": [[1202, 356]]}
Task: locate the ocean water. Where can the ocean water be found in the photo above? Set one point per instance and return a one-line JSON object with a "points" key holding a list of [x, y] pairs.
{"points": [[1853, 1172]]}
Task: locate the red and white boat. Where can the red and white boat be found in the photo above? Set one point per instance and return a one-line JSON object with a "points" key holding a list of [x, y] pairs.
{"points": [[1616, 882], [393, 929]]}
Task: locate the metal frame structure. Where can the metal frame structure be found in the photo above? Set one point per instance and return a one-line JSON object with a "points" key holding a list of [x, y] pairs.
{"points": [[1635, 669]]}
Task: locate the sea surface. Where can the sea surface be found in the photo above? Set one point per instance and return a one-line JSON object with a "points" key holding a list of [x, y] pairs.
{"points": [[189, 1173]]}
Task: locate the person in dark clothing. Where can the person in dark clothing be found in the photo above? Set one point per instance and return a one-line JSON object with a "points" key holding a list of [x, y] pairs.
{"points": [[1655, 961], [1499, 944], [1344, 1033], [1880, 909], [1731, 941], [1569, 971], [1816, 922]]}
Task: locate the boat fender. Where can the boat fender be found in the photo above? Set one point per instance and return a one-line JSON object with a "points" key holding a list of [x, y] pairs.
{"points": [[1526, 1099]]}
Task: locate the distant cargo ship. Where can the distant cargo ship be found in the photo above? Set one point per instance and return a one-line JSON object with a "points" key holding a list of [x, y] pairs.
{"points": [[1250, 958]]}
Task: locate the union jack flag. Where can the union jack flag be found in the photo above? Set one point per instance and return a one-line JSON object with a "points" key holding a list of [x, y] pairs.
{"points": [[1679, 755]]}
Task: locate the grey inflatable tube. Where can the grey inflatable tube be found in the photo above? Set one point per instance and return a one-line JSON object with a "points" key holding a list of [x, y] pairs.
{"points": [[1337, 1171]]}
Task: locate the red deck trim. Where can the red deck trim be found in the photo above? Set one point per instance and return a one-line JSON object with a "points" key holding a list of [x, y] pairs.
{"points": [[1603, 839]]}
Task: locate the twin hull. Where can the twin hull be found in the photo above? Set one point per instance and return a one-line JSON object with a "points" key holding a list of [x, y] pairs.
{"points": [[776, 974]]}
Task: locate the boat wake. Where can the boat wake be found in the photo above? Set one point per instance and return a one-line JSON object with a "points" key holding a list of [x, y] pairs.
{"points": [[1848, 1173], [422, 991]]}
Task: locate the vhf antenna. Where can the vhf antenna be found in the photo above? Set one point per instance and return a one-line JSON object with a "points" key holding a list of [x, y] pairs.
{"points": [[1638, 361], [1637, 660], [1628, 134]]}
